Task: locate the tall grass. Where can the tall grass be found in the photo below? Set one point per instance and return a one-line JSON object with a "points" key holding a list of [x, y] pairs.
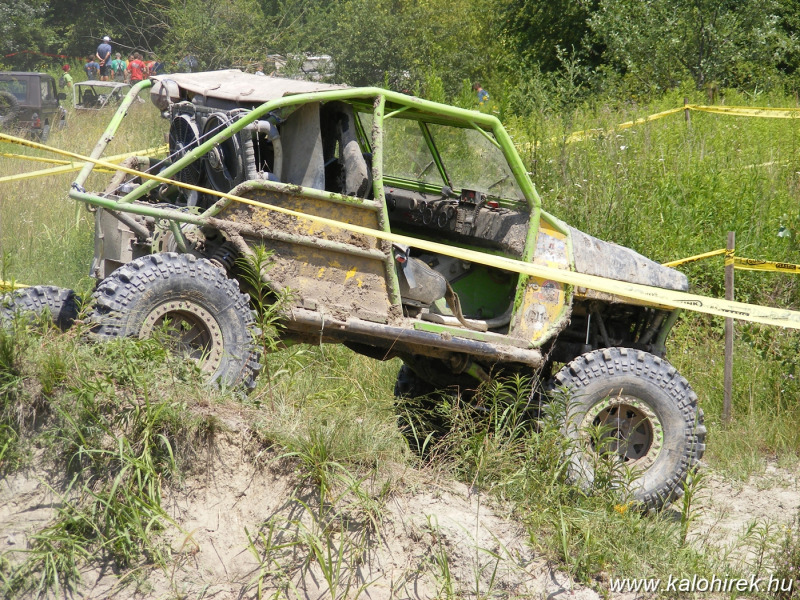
{"points": [[671, 189], [44, 235], [667, 189]]}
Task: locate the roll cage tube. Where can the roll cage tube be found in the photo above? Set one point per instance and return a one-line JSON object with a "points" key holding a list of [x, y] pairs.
{"points": [[447, 115], [111, 130], [426, 134]]}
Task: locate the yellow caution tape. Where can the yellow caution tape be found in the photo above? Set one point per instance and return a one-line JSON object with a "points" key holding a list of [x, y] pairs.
{"points": [[70, 166], [645, 293], [635, 291], [738, 262], [54, 161], [751, 264], [587, 133], [737, 111], [683, 261], [8, 285], [767, 112]]}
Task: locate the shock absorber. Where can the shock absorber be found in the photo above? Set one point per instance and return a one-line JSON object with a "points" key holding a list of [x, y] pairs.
{"points": [[225, 256]]}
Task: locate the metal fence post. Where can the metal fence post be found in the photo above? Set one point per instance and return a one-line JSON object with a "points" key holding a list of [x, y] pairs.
{"points": [[729, 332]]}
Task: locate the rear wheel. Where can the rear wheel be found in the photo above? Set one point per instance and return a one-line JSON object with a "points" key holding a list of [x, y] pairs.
{"points": [[418, 419], [637, 407], [205, 316], [60, 303]]}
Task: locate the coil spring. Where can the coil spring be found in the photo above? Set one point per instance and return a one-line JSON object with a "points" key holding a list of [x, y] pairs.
{"points": [[225, 256]]}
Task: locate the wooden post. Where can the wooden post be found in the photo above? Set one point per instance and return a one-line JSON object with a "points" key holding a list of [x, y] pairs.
{"points": [[728, 377], [686, 111]]}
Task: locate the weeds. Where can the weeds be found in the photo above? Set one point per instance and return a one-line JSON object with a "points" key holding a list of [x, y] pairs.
{"points": [[271, 554], [269, 304], [660, 188], [440, 561], [117, 445], [692, 487], [787, 561], [335, 551]]}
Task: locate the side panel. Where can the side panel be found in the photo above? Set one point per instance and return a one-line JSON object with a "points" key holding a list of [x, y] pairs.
{"points": [[114, 245], [327, 269], [544, 310]]}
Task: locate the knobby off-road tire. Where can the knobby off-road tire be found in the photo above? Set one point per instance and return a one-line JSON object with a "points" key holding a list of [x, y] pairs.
{"points": [[62, 304], [647, 412], [9, 109], [417, 418], [411, 385], [206, 317]]}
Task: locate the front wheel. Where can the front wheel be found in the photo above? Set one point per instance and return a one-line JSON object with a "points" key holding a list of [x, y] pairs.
{"points": [[206, 317], [639, 408]]}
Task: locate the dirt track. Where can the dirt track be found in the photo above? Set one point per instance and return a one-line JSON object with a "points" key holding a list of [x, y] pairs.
{"points": [[420, 522]]}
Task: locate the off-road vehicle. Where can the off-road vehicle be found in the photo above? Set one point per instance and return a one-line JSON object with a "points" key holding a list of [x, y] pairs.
{"points": [[98, 95], [416, 202], [29, 104]]}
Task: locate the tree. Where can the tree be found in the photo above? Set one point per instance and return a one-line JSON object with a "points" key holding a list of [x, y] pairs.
{"points": [[538, 30], [23, 33], [660, 42]]}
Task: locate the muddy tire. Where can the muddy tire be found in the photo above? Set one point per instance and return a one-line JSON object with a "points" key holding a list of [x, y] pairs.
{"points": [[642, 409], [410, 385], [59, 303], [417, 418], [202, 311], [9, 109]]}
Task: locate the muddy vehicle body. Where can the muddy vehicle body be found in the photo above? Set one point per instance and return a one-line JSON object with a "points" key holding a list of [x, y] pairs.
{"points": [[415, 206], [29, 104]]}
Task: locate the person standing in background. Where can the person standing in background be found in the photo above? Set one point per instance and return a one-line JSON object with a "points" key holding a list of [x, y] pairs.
{"points": [[483, 95], [158, 67], [131, 57], [104, 58], [92, 68], [65, 82], [137, 70], [118, 67]]}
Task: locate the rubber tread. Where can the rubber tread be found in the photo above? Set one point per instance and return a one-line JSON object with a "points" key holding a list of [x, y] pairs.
{"points": [[123, 300], [603, 373], [11, 109], [35, 301]]}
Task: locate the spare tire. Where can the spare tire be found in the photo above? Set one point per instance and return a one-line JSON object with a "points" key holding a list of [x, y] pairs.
{"points": [[9, 109]]}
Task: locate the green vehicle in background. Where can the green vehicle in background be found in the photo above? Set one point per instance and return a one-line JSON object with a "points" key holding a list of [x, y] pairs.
{"points": [[445, 191]]}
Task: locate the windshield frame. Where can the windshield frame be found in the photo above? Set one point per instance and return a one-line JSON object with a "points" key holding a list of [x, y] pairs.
{"points": [[427, 135]]}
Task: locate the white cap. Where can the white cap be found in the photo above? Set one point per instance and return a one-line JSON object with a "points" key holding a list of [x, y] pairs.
{"points": [[106, 39]]}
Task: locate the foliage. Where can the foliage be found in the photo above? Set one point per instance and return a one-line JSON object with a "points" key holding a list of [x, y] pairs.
{"points": [[407, 44], [716, 42], [22, 29], [788, 563], [539, 31], [218, 34]]}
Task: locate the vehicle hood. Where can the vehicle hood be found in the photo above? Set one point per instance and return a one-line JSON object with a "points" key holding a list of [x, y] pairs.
{"points": [[605, 259]]}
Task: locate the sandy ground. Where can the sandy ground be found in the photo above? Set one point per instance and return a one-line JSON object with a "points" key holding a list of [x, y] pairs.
{"points": [[424, 539]]}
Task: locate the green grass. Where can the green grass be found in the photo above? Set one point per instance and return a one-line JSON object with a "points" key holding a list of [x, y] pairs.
{"points": [[665, 189], [43, 235]]}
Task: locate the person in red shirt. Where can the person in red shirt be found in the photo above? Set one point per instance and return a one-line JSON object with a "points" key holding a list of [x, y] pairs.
{"points": [[137, 69], [151, 64]]}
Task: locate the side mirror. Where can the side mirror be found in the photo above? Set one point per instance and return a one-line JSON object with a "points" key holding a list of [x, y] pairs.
{"points": [[61, 96]]}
